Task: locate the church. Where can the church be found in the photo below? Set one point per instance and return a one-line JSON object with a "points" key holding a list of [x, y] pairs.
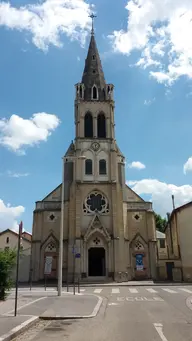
{"points": [[108, 230]]}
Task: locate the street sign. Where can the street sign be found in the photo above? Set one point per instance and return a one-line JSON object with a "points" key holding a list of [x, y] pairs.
{"points": [[78, 255], [48, 265]]}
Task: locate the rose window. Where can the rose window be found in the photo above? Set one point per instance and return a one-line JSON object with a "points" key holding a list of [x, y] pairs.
{"points": [[96, 202]]}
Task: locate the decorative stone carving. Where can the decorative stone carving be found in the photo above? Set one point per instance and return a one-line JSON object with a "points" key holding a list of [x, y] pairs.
{"points": [[96, 227]]}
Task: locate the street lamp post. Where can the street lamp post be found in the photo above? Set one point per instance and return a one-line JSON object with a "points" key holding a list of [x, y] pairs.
{"points": [[60, 268]]}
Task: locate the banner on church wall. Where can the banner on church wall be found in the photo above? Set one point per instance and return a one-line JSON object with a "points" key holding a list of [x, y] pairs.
{"points": [[48, 265], [139, 263]]}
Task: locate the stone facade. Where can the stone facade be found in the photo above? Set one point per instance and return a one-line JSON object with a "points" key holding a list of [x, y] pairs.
{"points": [[178, 237], [105, 222]]}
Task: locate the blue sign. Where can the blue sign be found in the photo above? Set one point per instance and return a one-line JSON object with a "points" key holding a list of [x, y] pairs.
{"points": [[78, 255], [139, 262]]}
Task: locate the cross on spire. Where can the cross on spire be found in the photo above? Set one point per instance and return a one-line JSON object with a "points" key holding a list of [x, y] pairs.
{"points": [[92, 16]]}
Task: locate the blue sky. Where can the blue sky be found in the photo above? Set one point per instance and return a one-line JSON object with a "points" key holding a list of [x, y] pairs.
{"points": [[42, 59]]}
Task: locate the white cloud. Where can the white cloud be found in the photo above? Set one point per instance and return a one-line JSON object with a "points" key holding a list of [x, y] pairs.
{"points": [[16, 133], [9, 216], [161, 30], [161, 192], [149, 102], [16, 175], [136, 165], [48, 20], [188, 165]]}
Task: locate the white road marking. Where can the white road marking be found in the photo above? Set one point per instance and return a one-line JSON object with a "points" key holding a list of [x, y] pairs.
{"points": [[139, 299], [133, 291], [113, 303], [159, 329], [97, 291], [152, 291], [186, 290], [115, 291], [170, 291], [82, 290], [26, 305]]}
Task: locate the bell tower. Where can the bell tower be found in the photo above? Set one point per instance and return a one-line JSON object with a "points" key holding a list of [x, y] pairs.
{"points": [[94, 118]]}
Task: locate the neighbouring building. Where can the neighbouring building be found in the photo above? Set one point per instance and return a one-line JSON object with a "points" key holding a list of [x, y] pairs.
{"points": [[179, 244], [9, 240], [109, 227], [161, 245]]}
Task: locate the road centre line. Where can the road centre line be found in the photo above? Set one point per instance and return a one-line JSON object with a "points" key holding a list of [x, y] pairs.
{"points": [[159, 329]]}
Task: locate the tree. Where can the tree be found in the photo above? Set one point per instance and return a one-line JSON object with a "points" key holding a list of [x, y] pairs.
{"points": [[160, 222], [7, 263]]}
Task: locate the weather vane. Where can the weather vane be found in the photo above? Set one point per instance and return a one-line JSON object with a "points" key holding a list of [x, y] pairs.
{"points": [[92, 16]]}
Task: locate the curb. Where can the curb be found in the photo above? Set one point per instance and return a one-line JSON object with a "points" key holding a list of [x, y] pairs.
{"points": [[75, 317], [19, 329], [189, 302]]}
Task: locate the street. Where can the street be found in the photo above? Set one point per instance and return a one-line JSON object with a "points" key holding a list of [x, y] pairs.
{"points": [[158, 313]]}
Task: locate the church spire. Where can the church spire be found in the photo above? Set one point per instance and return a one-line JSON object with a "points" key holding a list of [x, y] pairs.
{"points": [[93, 76]]}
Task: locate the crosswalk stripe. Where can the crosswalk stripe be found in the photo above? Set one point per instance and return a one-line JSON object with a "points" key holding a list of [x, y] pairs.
{"points": [[82, 290], [133, 290], [186, 290], [170, 291], [152, 291], [115, 291], [97, 291]]}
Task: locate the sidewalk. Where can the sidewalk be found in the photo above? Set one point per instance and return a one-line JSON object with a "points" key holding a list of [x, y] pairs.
{"points": [[110, 284], [67, 306]]}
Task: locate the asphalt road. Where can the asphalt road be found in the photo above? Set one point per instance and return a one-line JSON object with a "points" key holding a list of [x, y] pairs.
{"points": [[132, 315]]}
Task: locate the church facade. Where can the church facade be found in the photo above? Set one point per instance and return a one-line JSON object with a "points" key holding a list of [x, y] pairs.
{"points": [[109, 231]]}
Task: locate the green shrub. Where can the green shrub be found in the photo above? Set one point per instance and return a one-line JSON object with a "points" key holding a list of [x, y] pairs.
{"points": [[7, 263]]}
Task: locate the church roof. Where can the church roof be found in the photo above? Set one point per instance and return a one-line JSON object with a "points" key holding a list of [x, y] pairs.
{"points": [[93, 72], [70, 150]]}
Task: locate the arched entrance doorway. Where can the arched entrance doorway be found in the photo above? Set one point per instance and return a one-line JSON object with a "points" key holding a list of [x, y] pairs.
{"points": [[96, 262]]}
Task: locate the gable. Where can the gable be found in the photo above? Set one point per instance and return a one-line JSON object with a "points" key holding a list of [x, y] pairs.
{"points": [[95, 226], [55, 195], [132, 196]]}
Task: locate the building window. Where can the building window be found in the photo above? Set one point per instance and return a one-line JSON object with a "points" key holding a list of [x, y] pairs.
{"points": [[96, 202], [7, 240], [94, 92], [88, 125], [139, 246], [93, 57], [101, 126], [88, 167], [102, 167], [81, 92], [162, 243], [51, 247]]}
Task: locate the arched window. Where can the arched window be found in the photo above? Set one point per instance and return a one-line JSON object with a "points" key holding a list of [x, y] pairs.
{"points": [[102, 167], [88, 167], [101, 126], [88, 125], [94, 92], [81, 92]]}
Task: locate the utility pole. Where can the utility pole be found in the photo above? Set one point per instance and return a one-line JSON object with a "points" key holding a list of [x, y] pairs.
{"points": [[17, 269]]}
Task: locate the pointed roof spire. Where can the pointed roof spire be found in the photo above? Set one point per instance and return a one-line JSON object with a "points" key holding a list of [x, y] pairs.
{"points": [[93, 71]]}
